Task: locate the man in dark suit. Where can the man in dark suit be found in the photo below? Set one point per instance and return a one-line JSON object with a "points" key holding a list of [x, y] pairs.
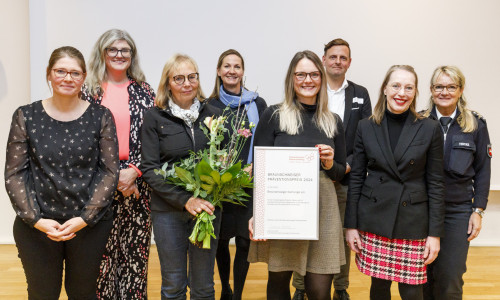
{"points": [[352, 103]]}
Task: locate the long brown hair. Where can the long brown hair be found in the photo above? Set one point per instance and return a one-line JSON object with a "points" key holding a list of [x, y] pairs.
{"points": [[218, 81]]}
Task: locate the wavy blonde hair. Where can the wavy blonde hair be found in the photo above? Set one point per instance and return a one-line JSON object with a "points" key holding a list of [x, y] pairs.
{"points": [[466, 119], [172, 64], [381, 106], [290, 110], [97, 62]]}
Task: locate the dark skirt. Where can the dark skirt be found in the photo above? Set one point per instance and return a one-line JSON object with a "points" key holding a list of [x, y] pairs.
{"points": [[235, 218], [400, 260]]}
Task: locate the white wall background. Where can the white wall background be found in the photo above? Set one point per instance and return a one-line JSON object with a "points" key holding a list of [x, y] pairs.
{"points": [[423, 33]]}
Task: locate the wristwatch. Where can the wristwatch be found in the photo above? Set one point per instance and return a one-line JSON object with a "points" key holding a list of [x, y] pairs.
{"points": [[478, 211]]}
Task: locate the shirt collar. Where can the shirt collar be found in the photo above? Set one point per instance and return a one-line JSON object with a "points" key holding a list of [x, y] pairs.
{"points": [[345, 84], [439, 115]]}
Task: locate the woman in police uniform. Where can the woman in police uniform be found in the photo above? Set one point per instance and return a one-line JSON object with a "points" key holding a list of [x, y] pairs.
{"points": [[467, 168]]}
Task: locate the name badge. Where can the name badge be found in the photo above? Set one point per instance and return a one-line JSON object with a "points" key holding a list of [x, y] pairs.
{"points": [[357, 100]]}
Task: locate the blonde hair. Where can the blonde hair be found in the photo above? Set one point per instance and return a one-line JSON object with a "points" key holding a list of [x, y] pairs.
{"points": [[381, 106], [290, 110], [171, 65], [466, 119], [97, 62], [218, 80]]}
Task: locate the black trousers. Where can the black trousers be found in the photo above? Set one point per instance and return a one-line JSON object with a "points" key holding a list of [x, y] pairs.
{"points": [[444, 275], [44, 260]]}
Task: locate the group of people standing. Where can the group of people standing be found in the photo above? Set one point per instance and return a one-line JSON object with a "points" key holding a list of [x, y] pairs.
{"points": [[409, 188]]}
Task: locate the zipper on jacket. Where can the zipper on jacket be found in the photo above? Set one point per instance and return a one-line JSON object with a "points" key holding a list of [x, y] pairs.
{"points": [[192, 134]]}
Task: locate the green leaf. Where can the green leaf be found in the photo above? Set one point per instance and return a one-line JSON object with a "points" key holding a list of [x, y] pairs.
{"points": [[201, 236], [208, 189], [203, 194], [203, 167], [207, 179], [204, 216], [216, 176], [226, 177], [206, 241], [235, 169], [184, 175]]}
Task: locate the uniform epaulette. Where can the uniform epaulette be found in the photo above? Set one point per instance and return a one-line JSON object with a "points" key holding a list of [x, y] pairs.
{"points": [[422, 112], [478, 115]]}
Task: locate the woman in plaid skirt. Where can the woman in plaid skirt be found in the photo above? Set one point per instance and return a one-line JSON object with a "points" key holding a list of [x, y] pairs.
{"points": [[395, 209]]}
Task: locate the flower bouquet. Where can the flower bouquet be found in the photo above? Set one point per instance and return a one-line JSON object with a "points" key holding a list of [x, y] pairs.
{"points": [[213, 174]]}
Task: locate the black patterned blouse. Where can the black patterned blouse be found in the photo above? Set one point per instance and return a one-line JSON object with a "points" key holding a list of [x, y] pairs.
{"points": [[60, 170]]}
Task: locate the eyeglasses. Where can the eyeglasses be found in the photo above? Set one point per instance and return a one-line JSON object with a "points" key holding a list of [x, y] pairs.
{"points": [[450, 88], [113, 52], [396, 87], [179, 79], [301, 76], [61, 73]]}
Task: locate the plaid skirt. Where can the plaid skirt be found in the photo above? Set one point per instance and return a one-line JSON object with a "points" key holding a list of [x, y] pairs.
{"points": [[400, 260]]}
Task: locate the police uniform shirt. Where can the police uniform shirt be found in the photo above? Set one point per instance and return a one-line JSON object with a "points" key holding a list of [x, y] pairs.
{"points": [[452, 116]]}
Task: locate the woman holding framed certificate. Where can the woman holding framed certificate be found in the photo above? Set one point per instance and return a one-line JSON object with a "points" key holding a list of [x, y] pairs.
{"points": [[303, 120]]}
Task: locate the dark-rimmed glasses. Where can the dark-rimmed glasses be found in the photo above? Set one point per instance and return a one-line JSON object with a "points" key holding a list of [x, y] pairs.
{"points": [[450, 88], [301, 76], [61, 73], [179, 79], [113, 52]]}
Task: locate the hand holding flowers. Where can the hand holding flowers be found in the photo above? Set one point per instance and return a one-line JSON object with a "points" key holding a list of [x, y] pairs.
{"points": [[213, 175]]}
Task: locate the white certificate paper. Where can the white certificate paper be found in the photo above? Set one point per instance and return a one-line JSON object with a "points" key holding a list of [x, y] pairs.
{"points": [[286, 193]]}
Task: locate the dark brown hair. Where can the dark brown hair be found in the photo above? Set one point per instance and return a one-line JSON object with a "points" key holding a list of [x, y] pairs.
{"points": [[61, 52], [337, 42], [218, 80]]}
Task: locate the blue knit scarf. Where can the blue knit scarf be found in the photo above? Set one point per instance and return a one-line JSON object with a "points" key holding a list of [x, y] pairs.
{"points": [[247, 99]]}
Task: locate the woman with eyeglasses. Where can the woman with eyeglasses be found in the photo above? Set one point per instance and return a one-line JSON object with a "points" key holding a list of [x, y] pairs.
{"points": [[230, 92], [304, 120], [171, 129], [117, 82], [467, 171], [60, 173], [395, 209]]}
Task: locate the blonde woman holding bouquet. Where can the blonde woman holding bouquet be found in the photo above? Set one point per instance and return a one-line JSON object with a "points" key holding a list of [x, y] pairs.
{"points": [[303, 120], [230, 92], [170, 131]]}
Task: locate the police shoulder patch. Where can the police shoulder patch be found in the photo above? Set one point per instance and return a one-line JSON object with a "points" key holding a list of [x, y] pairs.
{"points": [[478, 115], [489, 150]]}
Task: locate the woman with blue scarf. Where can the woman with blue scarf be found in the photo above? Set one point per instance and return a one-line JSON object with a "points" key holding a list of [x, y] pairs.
{"points": [[229, 91]]}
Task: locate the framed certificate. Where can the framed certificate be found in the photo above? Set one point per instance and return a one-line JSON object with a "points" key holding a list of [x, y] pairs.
{"points": [[286, 193]]}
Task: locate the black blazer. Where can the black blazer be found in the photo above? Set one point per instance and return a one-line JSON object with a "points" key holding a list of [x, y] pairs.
{"points": [[353, 113], [397, 195]]}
